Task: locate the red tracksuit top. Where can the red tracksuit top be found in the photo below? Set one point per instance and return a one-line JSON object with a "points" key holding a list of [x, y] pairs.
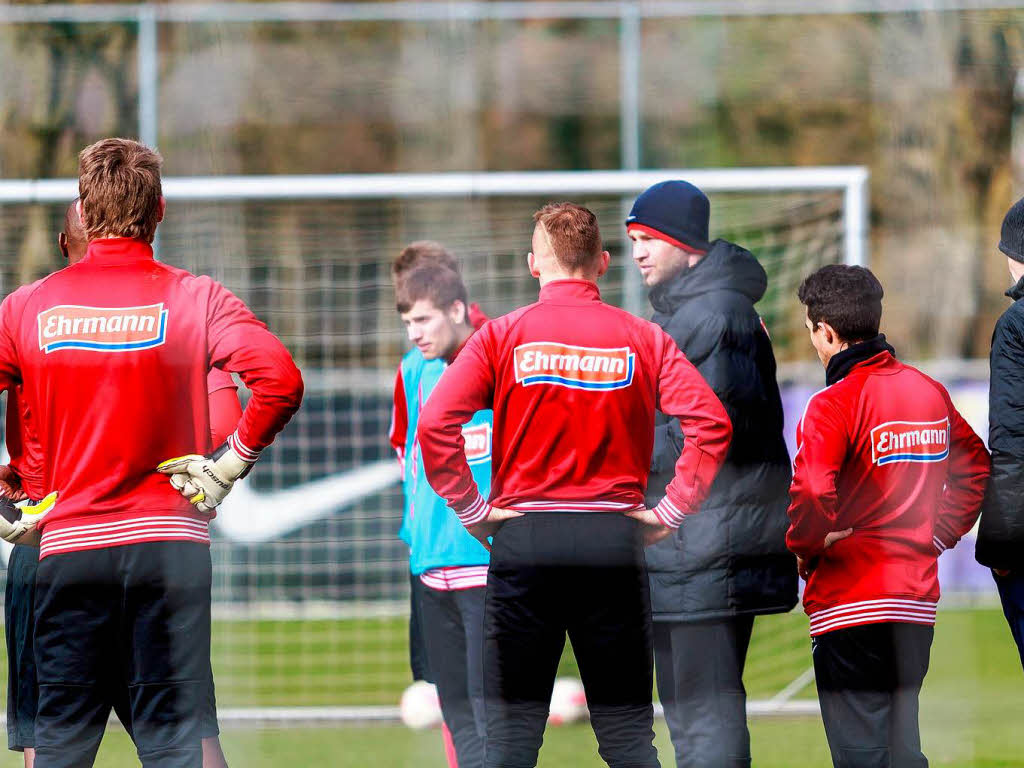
{"points": [[26, 452], [113, 355], [882, 451], [574, 384]]}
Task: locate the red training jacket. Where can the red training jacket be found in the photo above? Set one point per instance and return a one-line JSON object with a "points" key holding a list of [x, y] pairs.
{"points": [[882, 451], [113, 355], [225, 409], [26, 452], [574, 384]]}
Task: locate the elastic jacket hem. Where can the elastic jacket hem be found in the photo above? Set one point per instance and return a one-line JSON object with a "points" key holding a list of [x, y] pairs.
{"points": [[692, 617], [114, 530]]}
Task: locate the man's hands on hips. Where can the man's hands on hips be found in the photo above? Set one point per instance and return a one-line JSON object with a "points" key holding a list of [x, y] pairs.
{"points": [[651, 526], [206, 480], [805, 565], [18, 523], [10, 484], [489, 525]]}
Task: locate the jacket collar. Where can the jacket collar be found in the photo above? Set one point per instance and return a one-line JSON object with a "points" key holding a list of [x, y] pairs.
{"points": [[570, 290], [1017, 292], [842, 363], [118, 250]]}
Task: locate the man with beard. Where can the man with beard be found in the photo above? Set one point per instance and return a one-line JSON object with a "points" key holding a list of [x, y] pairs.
{"points": [[728, 564]]}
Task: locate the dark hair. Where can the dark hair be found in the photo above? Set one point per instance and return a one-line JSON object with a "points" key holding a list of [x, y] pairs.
{"points": [[440, 285], [847, 298], [573, 233], [422, 252]]}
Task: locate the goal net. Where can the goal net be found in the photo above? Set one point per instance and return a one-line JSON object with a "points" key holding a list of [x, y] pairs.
{"points": [[310, 582]]}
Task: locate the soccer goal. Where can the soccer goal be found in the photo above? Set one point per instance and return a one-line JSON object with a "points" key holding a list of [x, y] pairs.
{"points": [[310, 581]]}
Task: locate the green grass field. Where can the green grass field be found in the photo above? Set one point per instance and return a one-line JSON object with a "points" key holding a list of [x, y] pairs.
{"points": [[972, 705]]}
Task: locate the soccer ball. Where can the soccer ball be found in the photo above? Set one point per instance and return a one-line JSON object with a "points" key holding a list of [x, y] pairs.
{"points": [[420, 708], [568, 701]]}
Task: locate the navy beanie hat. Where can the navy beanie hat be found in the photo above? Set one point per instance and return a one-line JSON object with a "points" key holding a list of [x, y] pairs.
{"points": [[674, 211], [1011, 241]]}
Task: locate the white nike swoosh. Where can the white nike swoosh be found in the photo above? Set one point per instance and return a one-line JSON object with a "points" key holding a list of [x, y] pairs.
{"points": [[249, 516]]}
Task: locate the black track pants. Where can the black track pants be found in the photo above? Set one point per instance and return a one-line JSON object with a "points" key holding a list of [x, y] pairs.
{"points": [[869, 680], [580, 574], [453, 629], [699, 667], [137, 615]]}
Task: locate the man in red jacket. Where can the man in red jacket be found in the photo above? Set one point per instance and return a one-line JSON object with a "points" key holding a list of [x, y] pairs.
{"points": [[886, 477], [23, 479], [113, 354], [574, 384], [417, 254]]}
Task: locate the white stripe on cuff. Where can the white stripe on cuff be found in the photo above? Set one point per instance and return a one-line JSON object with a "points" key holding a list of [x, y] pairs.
{"points": [[244, 452], [475, 512], [669, 513], [939, 545]]}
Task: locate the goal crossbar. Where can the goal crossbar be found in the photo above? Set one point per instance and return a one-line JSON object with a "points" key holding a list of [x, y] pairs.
{"points": [[851, 180]]}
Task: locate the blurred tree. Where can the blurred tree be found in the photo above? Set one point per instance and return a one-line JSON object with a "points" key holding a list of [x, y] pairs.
{"points": [[985, 76], [68, 71], [924, 99]]}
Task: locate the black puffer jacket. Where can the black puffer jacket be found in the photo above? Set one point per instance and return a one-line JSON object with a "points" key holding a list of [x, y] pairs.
{"points": [[731, 557], [1001, 531]]}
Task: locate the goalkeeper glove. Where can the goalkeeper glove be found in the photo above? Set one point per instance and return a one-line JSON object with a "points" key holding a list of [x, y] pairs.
{"points": [[206, 480], [18, 521]]}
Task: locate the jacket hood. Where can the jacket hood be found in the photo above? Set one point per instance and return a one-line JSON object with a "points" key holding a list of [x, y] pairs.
{"points": [[727, 267]]}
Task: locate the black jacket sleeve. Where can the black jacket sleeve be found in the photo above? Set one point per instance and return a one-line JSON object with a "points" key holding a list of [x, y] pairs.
{"points": [[1001, 532]]}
